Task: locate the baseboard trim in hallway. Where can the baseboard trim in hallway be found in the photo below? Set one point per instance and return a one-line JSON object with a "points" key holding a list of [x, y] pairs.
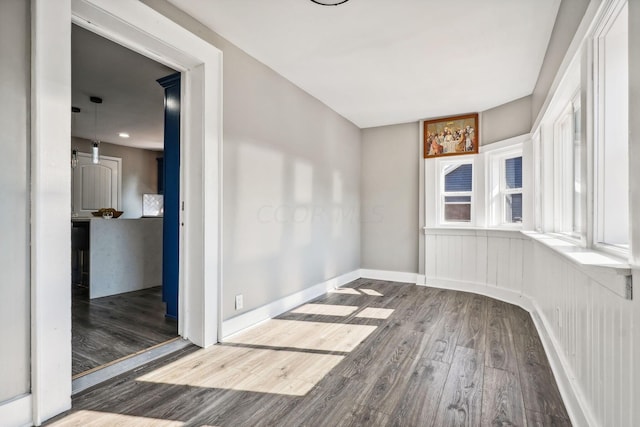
{"points": [[266, 312], [104, 373], [392, 276]]}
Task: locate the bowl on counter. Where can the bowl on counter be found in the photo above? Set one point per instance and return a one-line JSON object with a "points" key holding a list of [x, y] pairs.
{"points": [[107, 213]]}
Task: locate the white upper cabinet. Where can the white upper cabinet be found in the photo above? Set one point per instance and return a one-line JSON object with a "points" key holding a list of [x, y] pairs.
{"points": [[95, 186]]}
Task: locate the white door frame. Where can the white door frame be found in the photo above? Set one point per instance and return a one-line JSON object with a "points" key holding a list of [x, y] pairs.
{"points": [[140, 28]]}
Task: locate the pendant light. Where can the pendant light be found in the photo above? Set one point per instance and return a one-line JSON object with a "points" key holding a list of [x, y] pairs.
{"points": [[95, 148], [329, 3], [74, 152]]}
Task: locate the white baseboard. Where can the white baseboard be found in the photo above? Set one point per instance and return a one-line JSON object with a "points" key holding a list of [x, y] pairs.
{"points": [[392, 276], [571, 394], [17, 411], [502, 294], [266, 312]]}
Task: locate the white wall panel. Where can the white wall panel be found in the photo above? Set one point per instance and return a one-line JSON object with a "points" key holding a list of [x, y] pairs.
{"points": [[15, 315], [590, 326], [469, 258]]}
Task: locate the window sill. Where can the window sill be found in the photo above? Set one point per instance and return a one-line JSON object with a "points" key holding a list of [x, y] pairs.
{"points": [[443, 230], [608, 270]]}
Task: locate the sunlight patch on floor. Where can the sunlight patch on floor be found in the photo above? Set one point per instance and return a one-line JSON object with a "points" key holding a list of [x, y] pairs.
{"points": [[247, 369], [375, 313], [326, 309], [371, 293], [106, 419], [305, 335], [345, 291]]}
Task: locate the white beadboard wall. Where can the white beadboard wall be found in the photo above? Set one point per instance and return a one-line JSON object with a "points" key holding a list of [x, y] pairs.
{"points": [[584, 321]]}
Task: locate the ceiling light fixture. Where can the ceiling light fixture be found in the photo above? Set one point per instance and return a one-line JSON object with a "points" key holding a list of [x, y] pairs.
{"points": [[329, 3], [124, 135], [95, 147]]}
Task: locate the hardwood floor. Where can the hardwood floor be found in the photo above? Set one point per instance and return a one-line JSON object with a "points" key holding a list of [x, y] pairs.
{"points": [[109, 328], [371, 354]]}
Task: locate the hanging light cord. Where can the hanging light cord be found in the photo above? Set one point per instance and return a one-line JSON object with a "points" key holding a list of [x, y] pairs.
{"points": [[95, 123], [96, 100]]}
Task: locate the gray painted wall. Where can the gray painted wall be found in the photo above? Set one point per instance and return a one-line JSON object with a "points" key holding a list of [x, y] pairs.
{"points": [[569, 16], [291, 182], [139, 172], [505, 121], [15, 331], [392, 185], [391, 157]]}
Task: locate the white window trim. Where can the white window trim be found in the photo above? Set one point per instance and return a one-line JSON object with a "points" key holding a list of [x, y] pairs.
{"points": [[537, 211], [440, 194], [563, 172], [578, 148]]}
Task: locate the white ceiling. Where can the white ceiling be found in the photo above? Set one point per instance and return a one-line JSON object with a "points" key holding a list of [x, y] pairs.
{"points": [[133, 101], [379, 62]]}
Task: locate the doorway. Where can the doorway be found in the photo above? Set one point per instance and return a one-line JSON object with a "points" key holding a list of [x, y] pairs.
{"points": [[146, 31], [124, 266]]}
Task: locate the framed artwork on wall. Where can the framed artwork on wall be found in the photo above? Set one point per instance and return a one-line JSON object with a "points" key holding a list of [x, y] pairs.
{"points": [[450, 136]]}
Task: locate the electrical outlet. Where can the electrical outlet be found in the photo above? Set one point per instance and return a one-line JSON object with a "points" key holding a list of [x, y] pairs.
{"points": [[239, 302]]}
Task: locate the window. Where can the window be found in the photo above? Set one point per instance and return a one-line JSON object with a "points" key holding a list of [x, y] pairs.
{"points": [[580, 147], [457, 192], [504, 185], [612, 130], [565, 174], [577, 168], [511, 189]]}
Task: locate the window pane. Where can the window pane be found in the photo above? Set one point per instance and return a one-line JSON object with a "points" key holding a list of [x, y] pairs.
{"points": [[613, 162], [513, 172], [457, 199], [457, 212], [577, 179], [513, 205], [458, 178]]}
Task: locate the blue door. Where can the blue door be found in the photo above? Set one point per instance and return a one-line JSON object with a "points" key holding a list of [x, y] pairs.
{"points": [[171, 189]]}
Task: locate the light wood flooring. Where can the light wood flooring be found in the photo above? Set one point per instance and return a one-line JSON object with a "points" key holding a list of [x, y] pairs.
{"points": [[371, 354], [110, 328]]}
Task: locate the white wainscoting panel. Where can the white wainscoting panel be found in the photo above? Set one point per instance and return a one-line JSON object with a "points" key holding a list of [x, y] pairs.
{"points": [[584, 322], [592, 328]]}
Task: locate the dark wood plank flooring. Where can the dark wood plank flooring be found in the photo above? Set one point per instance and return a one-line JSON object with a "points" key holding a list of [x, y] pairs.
{"points": [[429, 357], [110, 328]]}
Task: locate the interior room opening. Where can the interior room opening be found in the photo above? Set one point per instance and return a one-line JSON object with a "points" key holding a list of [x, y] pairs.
{"points": [[120, 306]]}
